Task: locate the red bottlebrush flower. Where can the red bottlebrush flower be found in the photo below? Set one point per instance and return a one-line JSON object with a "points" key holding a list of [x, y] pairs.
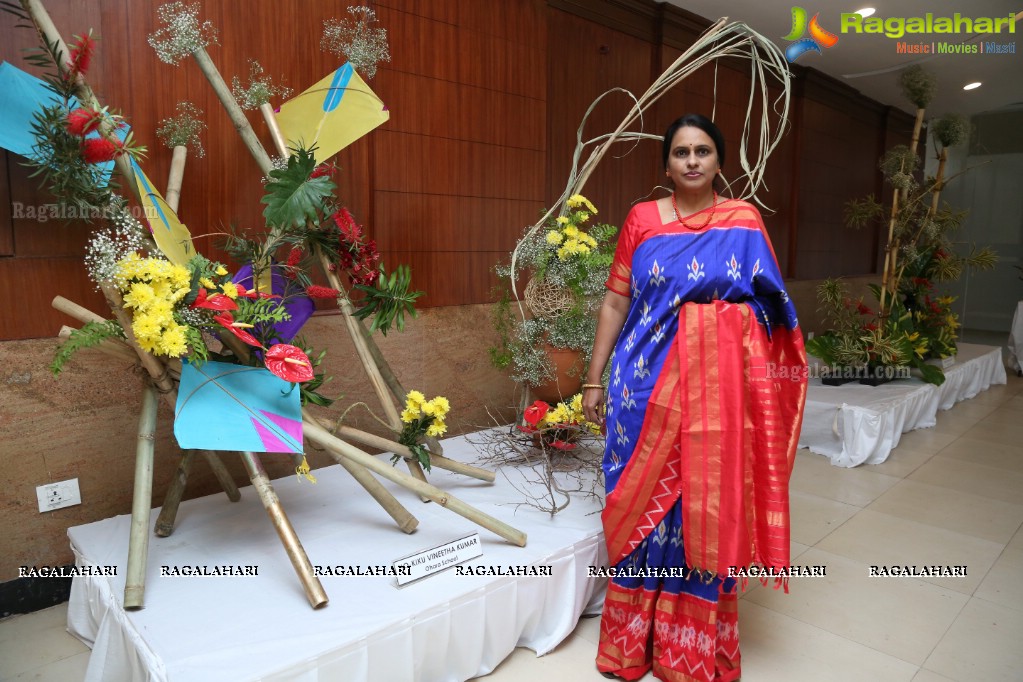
{"points": [[289, 363], [863, 310], [535, 412], [214, 302], [350, 230], [82, 121], [100, 149], [870, 327], [294, 256], [922, 282], [324, 169], [237, 328], [81, 54], [316, 291]]}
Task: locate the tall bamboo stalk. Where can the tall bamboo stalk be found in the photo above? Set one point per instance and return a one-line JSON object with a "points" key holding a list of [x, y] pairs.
{"points": [[142, 501], [176, 176]]}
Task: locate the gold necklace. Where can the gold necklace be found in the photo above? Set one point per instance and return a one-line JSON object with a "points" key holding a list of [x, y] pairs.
{"points": [[710, 213]]}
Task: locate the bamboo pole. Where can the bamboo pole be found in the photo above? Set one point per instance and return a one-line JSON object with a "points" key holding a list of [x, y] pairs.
{"points": [[439, 461], [142, 501], [395, 509], [114, 347], [171, 501], [275, 130], [176, 176], [234, 112], [324, 439], [296, 553]]}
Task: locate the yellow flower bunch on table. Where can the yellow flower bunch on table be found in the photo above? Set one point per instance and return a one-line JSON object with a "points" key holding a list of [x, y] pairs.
{"points": [[152, 287], [422, 417]]}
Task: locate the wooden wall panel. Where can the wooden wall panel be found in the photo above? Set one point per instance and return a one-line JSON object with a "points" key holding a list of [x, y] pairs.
{"points": [[598, 59], [6, 205], [484, 98]]}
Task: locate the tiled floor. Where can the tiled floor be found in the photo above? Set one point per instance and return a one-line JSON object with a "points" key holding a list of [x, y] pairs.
{"points": [[951, 495]]}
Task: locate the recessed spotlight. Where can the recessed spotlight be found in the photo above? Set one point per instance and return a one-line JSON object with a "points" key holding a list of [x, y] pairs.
{"points": [[865, 12], [972, 86]]}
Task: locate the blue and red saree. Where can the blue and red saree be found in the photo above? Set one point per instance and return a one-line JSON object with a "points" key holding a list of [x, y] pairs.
{"points": [[708, 381]]}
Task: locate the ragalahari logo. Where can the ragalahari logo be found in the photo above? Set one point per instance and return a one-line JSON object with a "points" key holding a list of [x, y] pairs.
{"points": [[801, 45]]}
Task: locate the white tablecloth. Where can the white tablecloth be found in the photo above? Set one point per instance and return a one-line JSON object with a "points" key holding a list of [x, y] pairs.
{"points": [[444, 627], [855, 424]]}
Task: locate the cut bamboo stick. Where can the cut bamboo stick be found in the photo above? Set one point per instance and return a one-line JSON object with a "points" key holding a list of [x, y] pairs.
{"points": [[395, 509], [171, 501], [222, 475], [176, 176], [275, 130], [439, 461], [142, 502], [324, 439], [296, 553]]}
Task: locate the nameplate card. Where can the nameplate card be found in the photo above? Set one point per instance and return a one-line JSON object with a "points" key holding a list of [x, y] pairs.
{"points": [[430, 561]]}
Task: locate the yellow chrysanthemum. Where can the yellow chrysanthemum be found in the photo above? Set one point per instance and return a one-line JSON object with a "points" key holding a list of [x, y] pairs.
{"points": [[436, 429], [554, 237], [563, 254], [146, 325], [181, 277], [230, 289], [577, 402], [413, 400], [429, 409], [409, 416], [139, 296], [208, 283], [562, 220], [442, 405], [571, 231], [221, 270], [173, 342]]}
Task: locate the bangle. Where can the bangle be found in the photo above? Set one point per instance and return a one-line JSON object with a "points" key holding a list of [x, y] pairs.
{"points": [[600, 386]]}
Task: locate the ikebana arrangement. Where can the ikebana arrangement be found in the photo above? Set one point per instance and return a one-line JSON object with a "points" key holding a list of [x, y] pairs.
{"points": [[911, 325], [215, 341]]}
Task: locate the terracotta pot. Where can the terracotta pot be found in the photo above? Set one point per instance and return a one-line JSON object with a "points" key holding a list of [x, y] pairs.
{"points": [[568, 375]]}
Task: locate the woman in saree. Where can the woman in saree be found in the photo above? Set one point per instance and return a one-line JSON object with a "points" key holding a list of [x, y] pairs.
{"points": [[702, 413]]}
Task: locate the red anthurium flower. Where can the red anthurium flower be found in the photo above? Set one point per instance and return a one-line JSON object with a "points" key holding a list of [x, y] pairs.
{"points": [[526, 429], [562, 445], [100, 149], [316, 291], [237, 328], [535, 412], [245, 293], [289, 363], [83, 121], [214, 302]]}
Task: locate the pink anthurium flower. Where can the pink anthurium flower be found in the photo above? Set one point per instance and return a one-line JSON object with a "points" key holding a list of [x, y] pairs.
{"points": [[289, 363]]}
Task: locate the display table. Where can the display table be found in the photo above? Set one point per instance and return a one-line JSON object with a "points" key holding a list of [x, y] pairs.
{"points": [[260, 627], [853, 424]]}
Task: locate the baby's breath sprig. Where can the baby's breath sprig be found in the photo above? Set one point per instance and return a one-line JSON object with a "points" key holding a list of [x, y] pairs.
{"points": [[363, 44], [182, 34], [260, 90]]}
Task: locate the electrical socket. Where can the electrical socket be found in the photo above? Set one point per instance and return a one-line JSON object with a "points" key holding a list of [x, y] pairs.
{"points": [[58, 495]]}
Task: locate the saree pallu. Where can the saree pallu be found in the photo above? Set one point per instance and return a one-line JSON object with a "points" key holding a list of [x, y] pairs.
{"points": [[705, 489]]}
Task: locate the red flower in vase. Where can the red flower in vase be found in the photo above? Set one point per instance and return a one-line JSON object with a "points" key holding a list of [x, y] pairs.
{"points": [[289, 363]]}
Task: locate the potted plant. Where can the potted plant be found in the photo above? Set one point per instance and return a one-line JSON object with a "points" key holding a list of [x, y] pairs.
{"points": [[546, 340]]}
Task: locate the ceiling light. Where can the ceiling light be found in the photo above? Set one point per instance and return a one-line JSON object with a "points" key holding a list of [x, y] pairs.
{"points": [[972, 86], [865, 12]]}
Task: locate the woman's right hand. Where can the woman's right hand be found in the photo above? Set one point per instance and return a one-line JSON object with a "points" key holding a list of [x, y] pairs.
{"points": [[593, 405]]}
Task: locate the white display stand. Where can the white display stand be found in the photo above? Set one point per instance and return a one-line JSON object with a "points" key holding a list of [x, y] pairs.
{"points": [[853, 424], [443, 627]]}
